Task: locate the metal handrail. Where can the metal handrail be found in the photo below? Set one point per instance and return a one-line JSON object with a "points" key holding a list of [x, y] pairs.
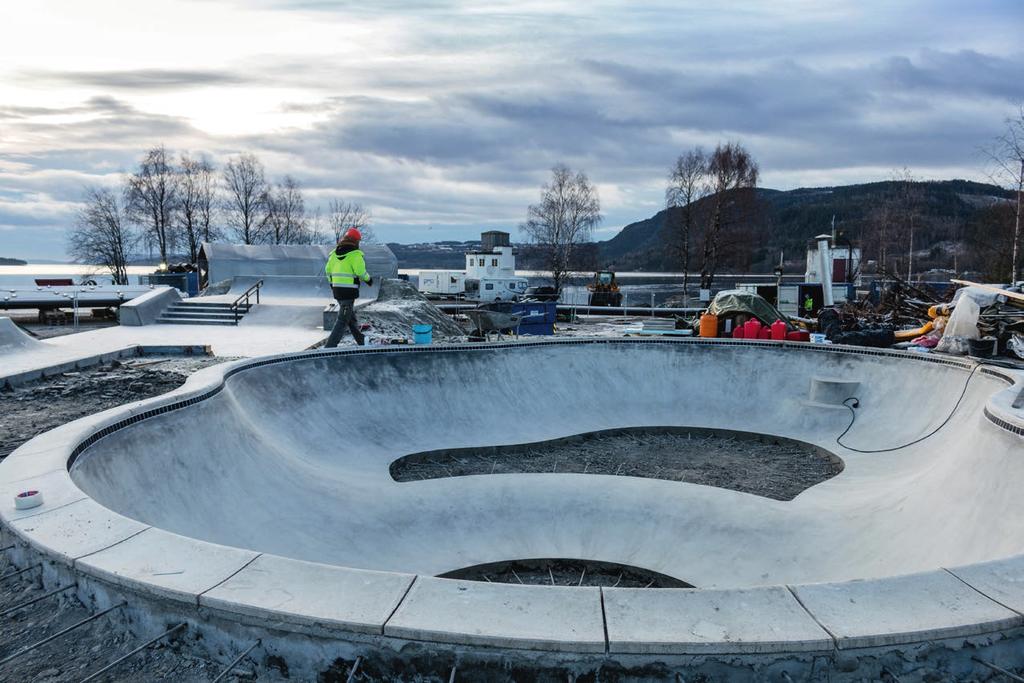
{"points": [[245, 295]]}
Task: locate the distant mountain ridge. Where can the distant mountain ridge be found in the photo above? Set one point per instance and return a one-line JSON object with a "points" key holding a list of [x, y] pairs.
{"points": [[12, 262], [786, 220]]}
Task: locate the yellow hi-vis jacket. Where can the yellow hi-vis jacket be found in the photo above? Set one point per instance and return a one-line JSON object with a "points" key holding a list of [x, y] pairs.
{"points": [[345, 272]]}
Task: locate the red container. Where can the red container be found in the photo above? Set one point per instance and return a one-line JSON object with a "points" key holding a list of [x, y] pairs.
{"points": [[778, 330], [799, 336], [752, 329], [766, 333], [737, 332]]}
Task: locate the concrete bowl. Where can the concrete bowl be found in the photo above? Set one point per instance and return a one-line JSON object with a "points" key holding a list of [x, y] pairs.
{"points": [[258, 496]]}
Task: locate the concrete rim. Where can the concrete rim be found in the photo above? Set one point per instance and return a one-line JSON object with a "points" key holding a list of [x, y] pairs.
{"points": [[945, 603]]}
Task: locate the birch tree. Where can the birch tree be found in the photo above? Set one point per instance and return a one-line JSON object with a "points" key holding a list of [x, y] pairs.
{"points": [[563, 220], [197, 197], [342, 215], [101, 235], [245, 203], [286, 213], [1007, 160], [151, 199], [687, 183], [732, 175]]}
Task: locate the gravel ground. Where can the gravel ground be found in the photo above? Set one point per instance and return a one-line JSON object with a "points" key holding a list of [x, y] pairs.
{"points": [[561, 572], [762, 465], [36, 407], [88, 648]]}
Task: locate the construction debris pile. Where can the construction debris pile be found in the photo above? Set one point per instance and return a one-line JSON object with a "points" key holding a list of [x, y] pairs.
{"points": [[400, 306], [973, 319], [976, 320]]}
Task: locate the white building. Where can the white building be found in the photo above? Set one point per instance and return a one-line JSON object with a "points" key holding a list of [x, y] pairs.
{"points": [[490, 273], [845, 263], [495, 258]]}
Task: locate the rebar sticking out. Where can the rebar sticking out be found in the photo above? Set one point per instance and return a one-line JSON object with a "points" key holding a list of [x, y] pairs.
{"points": [[58, 634], [33, 601], [134, 652], [235, 661]]}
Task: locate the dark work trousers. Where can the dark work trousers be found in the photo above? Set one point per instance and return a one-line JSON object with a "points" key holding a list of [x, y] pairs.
{"points": [[346, 319]]}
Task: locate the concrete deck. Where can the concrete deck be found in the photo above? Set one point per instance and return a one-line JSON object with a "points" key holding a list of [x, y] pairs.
{"points": [[268, 458], [288, 318]]}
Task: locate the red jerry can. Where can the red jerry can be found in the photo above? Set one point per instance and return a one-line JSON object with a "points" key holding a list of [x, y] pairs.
{"points": [[778, 330], [752, 329]]}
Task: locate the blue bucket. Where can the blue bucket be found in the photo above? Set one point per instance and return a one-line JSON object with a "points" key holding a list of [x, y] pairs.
{"points": [[422, 334]]}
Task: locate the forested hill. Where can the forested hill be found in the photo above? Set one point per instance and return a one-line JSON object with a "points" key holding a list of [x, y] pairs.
{"points": [[12, 262], [943, 214]]}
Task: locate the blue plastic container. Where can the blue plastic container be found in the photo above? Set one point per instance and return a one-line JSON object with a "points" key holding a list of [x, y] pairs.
{"points": [[422, 334]]}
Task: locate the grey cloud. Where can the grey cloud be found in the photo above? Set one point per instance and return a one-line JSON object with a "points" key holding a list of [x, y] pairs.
{"points": [[137, 79]]}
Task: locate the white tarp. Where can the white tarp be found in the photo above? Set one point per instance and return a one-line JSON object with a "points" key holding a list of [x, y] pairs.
{"points": [[225, 261]]}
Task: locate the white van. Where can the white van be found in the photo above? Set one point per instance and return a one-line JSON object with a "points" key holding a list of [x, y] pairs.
{"points": [[496, 288]]}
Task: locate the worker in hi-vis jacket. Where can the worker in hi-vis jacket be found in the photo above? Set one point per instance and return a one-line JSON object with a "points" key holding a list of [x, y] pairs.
{"points": [[346, 268]]}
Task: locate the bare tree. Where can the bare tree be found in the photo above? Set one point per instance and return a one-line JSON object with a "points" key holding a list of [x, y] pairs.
{"points": [[907, 200], [316, 229], [197, 198], [101, 234], [732, 176], [151, 199], [891, 224], [286, 213], [209, 201], [246, 201], [342, 215], [687, 183], [1007, 158], [563, 220]]}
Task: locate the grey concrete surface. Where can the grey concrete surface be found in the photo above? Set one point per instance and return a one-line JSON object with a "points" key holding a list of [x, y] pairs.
{"points": [[145, 309], [169, 565], [354, 600], [905, 609], [317, 435], [558, 618], [673, 621], [288, 456], [13, 338]]}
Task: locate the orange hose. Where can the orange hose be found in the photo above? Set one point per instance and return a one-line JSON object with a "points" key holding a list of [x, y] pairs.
{"points": [[907, 335]]}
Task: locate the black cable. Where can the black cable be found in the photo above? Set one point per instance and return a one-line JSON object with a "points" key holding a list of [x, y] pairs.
{"points": [[853, 418]]}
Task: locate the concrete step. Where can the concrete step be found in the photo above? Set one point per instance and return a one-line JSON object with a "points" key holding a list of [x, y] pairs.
{"points": [[194, 321], [206, 315], [206, 306]]}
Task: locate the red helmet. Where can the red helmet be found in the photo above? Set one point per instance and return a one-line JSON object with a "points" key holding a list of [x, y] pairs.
{"points": [[353, 234]]}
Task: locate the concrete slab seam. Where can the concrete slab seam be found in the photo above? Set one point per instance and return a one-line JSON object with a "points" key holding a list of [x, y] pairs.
{"points": [[228, 578], [981, 592], [384, 625], [40, 475], [74, 561], [835, 640], [604, 622]]}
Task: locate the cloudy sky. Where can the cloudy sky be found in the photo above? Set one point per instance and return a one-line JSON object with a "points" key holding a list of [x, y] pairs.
{"points": [[444, 116]]}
